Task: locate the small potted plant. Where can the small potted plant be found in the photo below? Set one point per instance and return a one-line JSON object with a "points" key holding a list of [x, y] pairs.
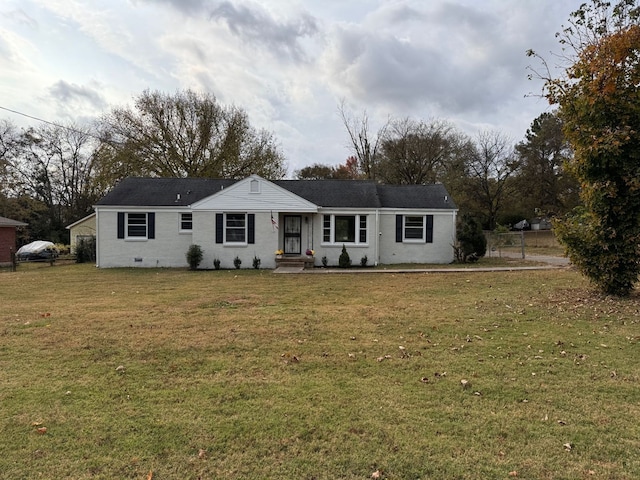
{"points": [[309, 253], [279, 253]]}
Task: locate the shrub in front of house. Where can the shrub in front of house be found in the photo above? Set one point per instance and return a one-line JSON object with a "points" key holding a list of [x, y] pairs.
{"points": [[256, 262], [344, 261], [216, 263], [324, 261], [472, 244], [194, 256], [86, 250], [237, 262], [363, 261]]}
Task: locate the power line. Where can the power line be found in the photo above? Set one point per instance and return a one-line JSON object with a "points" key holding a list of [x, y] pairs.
{"points": [[51, 123]]}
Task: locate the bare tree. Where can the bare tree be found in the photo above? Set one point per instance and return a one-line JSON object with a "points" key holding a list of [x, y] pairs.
{"points": [[364, 148], [53, 165], [418, 152], [490, 168], [8, 143]]}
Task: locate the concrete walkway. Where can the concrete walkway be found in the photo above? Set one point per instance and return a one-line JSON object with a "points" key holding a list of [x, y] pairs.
{"points": [[550, 263]]}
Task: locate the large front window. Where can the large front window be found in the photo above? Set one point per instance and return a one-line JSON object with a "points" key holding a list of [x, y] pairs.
{"points": [[137, 225], [344, 229], [235, 228]]}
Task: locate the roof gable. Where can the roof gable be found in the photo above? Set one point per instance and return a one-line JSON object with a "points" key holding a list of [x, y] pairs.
{"points": [[256, 194]]}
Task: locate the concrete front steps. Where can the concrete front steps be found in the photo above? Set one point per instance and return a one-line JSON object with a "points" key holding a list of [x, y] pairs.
{"points": [[294, 262]]}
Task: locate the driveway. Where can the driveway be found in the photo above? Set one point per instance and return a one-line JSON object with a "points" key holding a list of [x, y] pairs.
{"points": [[549, 259]]}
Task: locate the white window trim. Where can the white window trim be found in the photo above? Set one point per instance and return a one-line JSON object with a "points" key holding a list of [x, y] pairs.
{"points": [[423, 238], [332, 229], [136, 238], [246, 230], [257, 186]]}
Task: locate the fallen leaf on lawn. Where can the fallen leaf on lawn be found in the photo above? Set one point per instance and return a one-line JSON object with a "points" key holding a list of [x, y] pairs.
{"points": [[42, 430], [376, 474], [424, 380], [150, 476], [465, 383], [202, 453], [513, 473], [567, 446]]}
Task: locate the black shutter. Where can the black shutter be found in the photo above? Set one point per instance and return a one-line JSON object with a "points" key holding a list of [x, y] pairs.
{"points": [[429, 219], [151, 225], [399, 228], [120, 224], [219, 227], [251, 228]]}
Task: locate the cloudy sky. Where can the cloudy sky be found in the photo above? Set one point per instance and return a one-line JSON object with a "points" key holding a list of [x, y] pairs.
{"points": [[288, 63]]}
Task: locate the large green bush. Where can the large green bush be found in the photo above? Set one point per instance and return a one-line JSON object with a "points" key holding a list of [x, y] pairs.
{"points": [[471, 239], [194, 256]]}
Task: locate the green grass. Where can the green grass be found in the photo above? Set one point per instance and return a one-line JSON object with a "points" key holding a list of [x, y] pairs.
{"points": [[247, 374]]}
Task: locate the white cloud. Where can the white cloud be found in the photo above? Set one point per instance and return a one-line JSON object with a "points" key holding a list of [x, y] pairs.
{"points": [[287, 62]]}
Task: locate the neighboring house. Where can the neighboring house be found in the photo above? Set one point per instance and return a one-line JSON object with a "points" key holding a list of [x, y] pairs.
{"points": [[85, 228], [540, 224], [8, 238], [150, 222]]}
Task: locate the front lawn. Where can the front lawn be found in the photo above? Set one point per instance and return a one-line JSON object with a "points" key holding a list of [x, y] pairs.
{"points": [[172, 374]]}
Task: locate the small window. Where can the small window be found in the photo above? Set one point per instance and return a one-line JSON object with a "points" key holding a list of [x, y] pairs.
{"points": [[235, 228], [326, 228], [137, 225], [186, 221], [254, 186], [363, 229]]}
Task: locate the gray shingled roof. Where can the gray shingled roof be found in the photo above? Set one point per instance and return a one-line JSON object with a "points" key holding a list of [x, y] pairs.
{"points": [[7, 222], [334, 193], [415, 196], [162, 192], [135, 191]]}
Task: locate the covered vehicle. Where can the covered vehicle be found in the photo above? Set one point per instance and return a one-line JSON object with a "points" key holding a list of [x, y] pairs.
{"points": [[522, 225], [38, 250]]}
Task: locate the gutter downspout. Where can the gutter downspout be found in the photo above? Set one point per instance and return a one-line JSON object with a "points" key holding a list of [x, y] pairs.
{"points": [[377, 241], [97, 237], [454, 232]]}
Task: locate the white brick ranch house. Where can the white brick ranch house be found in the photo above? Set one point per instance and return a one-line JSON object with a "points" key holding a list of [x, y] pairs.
{"points": [[151, 222]]}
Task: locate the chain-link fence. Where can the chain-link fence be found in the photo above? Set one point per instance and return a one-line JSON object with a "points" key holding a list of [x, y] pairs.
{"points": [[524, 242]]}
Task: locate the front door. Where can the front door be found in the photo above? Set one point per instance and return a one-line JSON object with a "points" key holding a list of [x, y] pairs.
{"points": [[292, 234]]}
